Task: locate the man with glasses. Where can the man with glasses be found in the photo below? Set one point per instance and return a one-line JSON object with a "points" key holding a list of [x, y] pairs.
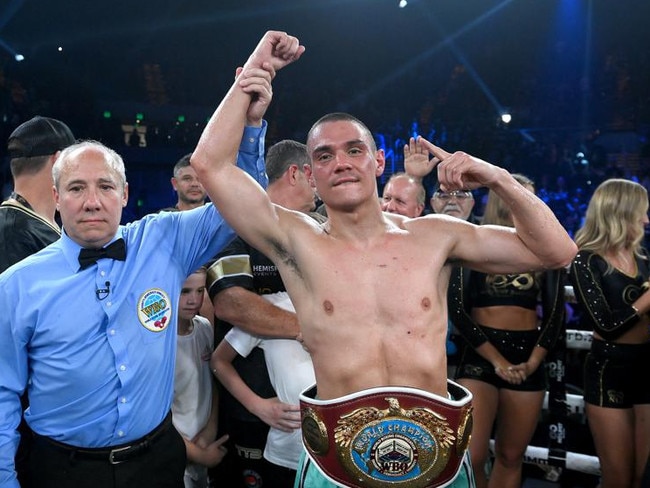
{"points": [[459, 203]]}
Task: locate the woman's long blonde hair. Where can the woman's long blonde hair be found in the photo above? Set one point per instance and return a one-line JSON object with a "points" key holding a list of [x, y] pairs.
{"points": [[496, 212], [612, 221]]}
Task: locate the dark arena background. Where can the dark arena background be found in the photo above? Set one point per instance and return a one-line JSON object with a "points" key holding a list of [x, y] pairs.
{"points": [[556, 89]]}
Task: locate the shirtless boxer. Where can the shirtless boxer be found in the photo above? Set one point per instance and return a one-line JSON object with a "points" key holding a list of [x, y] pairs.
{"points": [[370, 288]]}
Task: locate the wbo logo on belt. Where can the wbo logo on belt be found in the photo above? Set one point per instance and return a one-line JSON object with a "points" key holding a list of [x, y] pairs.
{"points": [[380, 443]]}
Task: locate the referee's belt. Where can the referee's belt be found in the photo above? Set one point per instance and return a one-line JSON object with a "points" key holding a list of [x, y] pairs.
{"points": [[116, 454], [388, 436]]}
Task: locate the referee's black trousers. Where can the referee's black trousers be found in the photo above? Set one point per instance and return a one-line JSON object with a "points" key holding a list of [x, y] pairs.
{"points": [[160, 465]]}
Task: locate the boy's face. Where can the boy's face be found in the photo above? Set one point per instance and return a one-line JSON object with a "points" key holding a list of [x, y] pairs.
{"points": [[191, 296]]}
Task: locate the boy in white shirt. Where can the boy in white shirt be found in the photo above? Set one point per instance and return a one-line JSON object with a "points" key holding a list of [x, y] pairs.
{"points": [[194, 410], [290, 371]]}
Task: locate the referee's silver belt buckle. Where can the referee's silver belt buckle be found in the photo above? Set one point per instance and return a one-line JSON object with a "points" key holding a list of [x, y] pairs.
{"points": [[121, 454], [111, 455]]}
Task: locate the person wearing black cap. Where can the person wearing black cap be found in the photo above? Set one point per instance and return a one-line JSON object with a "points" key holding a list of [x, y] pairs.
{"points": [[27, 221]]}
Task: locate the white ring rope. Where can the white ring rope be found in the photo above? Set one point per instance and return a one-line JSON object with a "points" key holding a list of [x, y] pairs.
{"points": [[573, 461], [575, 403], [578, 339]]}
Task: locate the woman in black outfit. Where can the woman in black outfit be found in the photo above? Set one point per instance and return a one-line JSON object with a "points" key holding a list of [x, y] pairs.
{"points": [[610, 277]]}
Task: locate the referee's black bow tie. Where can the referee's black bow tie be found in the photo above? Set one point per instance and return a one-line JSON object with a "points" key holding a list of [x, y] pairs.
{"points": [[116, 250]]}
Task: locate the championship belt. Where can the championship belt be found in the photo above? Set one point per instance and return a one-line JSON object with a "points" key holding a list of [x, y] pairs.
{"points": [[388, 436]]}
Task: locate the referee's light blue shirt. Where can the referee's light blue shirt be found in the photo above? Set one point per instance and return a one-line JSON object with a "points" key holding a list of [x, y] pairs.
{"points": [[101, 372]]}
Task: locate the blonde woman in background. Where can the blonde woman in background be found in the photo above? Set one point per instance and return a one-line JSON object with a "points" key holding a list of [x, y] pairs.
{"points": [[610, 277], [502, 358]]}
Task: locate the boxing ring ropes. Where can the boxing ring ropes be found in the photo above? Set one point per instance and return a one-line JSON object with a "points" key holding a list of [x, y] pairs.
{"points": [[560, 405]]}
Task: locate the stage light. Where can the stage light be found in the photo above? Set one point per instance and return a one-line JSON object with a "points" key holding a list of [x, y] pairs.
{"points": [[506, 118], [403, 3], [19, 57], [581, 159]]}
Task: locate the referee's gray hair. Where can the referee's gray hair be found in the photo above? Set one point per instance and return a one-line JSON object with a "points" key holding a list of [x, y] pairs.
{"points": [[112, 159]]}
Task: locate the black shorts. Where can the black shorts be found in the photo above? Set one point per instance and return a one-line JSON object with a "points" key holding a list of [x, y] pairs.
{"points": [[515, 346], [616, 375]]}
